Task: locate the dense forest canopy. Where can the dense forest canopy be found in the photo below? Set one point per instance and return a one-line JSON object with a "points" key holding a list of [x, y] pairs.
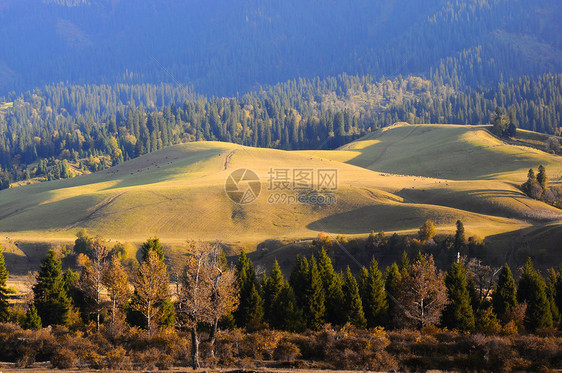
{"points": [[223, 47], [88, 84]]}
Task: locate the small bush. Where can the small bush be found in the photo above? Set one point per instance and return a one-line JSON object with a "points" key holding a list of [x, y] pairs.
{"points": [[64, 358], [286, 351], [117, 359]]}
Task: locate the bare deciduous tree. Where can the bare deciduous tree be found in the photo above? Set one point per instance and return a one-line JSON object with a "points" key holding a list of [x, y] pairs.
{"points": [[91, 279], [483, 276], [422, 294], [207, 292]]}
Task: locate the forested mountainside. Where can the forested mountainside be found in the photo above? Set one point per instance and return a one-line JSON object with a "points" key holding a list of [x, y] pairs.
{"points": [[224, 47], [111, 123]]}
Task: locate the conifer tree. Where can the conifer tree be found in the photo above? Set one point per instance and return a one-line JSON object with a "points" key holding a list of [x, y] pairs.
{"points": [[3, 289], [272, 288], [315, 306], [32, 320], [531, 290], [551, 294], [353, 303], [404, 262], [331, 282], [288, 315], [299, 279], [542, 178], [373, 295], [250, 310], [460, 240], [558, 294], [393, 278], [51, 300], [153, 243], [458, 313], [504, 297]]}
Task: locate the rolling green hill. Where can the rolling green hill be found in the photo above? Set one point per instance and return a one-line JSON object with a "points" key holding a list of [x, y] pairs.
{"points": [[391, 180]]}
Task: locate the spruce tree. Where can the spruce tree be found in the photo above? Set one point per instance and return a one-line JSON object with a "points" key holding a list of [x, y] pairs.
{"points": [[272, 288], [458, 313], [288, 316], [558, 294], [315, 306], [373, 295], [542, 178], [460, 240], [531, 290], [353, 303], [4, 314], [51, 300], [504, 297], [551, 294], [331, 282], [299, 279], [32, 320], [250, 309], [152, 243], [393, 277]]}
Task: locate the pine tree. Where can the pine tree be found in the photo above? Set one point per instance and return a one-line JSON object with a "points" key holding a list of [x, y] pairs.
{"points": [[392, 285], [272, 288], [299, 279], [531, 290], [250, 311], [315, 306], [289, 315], [332, 285], [458, 313], [32, 320], [154, 244], [4, 314], [373, 295], [51, 300], [504, 297], [460, 240], [353, 303], [558, 294], [542, 178], [551, 294]]}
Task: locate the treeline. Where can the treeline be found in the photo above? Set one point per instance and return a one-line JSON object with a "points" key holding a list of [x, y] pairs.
{"points": [[105, 125], [111, 295]]}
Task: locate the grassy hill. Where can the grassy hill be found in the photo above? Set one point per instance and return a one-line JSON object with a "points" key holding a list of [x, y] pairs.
{"points": [[391, 180]]}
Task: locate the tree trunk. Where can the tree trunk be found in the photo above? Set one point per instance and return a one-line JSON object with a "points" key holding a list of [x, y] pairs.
{"points": [[213, 336], [194, 348]]}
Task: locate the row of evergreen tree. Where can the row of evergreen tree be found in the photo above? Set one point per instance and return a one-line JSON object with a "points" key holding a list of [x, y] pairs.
{"points": [[114, 123], [412, 294]]}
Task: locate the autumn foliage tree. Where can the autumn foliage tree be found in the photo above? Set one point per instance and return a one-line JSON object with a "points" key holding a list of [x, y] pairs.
{"points": [[422, 294], [151, 288]]}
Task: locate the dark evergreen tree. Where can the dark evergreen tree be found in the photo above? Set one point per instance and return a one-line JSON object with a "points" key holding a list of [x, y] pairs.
{"points": [[542, 179], [551, 294], [250, 309], [272, 288], [531, 290], [332, 285], [458, 313], [32, 320], [315, 304], [299, 280], [51, 300], [4, 314], [373, 295], [353, 303], [460, 240], [504, 297], [287, 315], [152, 243], [392, 285]]}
